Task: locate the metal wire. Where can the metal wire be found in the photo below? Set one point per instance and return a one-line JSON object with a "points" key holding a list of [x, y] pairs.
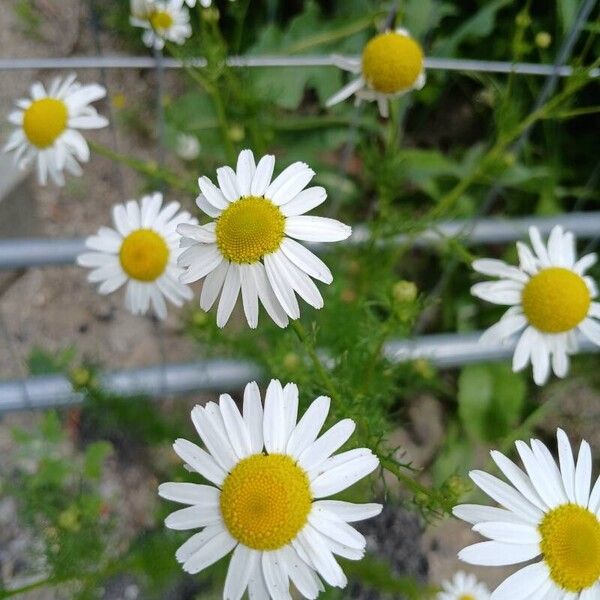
{"points": [[47, 391], [147, 62], [38, 252]]}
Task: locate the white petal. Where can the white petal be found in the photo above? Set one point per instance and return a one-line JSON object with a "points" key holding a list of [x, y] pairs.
{"points": [[200, 262], [267, 296], [205, 206], [307, 429], [249, 295], [306, 261], [339, 478], [278, 279], [196, 541], [539, 246], [346, 91], [506, 496], [274, 419], [235, 426], [305, 201], [567, 464], [275, 576], [214, 438], [498, 268], [193, 517], [190, 493], [321, 557], [522, 584], [325, 445], [291, 188], [475, 513], [583, 474], [348, 511], [316, 229], [540, 361], [509, 533], [299, 572], [204, 234], [330, 525], [245, 170], [210, 552], [253, 416], [229, 295], [591, 329], [300, 282], [262, 177], [496, 554], [524, 348], [242, 564], [228, 183], [212, 193], [213, 284], [519, 479], [290, 409]]}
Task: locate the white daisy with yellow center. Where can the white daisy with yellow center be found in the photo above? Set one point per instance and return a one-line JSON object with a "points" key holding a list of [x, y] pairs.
{"points": [[551, 300], [163, 20], [251, 244], [550, 511], [141, 252], [391, 65], [463, 586], [47, 127], [269, 475]]}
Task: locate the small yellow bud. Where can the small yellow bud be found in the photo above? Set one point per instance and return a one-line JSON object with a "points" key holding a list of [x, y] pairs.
{"points": [[69, 519], [81, 377], [119, 100], [291, 361], [236, 133], [543, 39], [199, 318], [211, 15], [404, 291]]}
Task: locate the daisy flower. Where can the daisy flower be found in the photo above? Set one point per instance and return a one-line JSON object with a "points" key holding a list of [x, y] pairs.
{"points": [[550, 511], [141, 252], [204, 3], [550, 300], [162, 20], [463, 587], [249, 245], [47, 127], [392, 64], [269, 475]]}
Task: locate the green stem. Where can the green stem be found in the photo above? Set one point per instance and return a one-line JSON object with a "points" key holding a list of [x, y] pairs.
{"points": [[148, 168], [312, 353]]}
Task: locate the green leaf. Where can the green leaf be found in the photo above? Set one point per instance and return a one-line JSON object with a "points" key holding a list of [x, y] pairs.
{"points": [[95, 455], [480, 25], [490, 399]]}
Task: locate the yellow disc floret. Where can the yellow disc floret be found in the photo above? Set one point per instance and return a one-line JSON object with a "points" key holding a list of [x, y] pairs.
{"points": [[466, 597], [44, 121], [161, 19], [265, 501], [571, 546], [556, 300], [144, 255], [249, 228], [392, 62]]}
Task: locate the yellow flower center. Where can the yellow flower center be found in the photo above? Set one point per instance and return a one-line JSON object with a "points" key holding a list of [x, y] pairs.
{"points": [[161, 19], [571, 546], [556, 300], [466, 597], [144, 255], [249, 228], [392, 62], [44, 121], [265, 501]]}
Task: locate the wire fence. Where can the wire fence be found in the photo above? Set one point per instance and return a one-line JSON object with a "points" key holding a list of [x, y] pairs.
{"points": [[445, 350]]}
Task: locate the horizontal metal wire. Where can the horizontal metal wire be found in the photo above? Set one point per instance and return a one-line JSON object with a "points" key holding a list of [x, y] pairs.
{"points": [[46, 391], [147, 62], [36, 252]]}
